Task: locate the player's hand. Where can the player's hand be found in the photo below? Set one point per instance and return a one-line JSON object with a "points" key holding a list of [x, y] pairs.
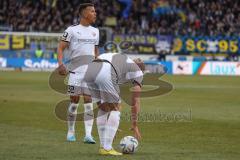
{"points": [[137, 133], [62, 70]]}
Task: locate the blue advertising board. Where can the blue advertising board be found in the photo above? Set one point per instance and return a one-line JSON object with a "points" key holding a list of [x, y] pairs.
{"points": [[31, 63], [159, 67]]}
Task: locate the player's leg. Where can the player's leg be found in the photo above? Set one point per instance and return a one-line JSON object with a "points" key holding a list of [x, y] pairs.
{"points": [[108, 123], [109, 102], [74, 89], [112, 125], [88, 119], [102, 118], [71, 116]]}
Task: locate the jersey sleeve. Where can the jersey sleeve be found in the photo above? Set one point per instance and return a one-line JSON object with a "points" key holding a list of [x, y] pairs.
{"points": [[67, 35], [134, 74], [97, 42]]}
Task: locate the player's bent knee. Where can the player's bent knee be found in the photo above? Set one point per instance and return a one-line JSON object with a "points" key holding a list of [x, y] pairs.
{"points": [[74, 99], [87, 99], [108, 107], [72, 110]]}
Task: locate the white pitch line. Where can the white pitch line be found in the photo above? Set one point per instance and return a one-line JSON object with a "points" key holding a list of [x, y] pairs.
{"points": [[206, 86]]}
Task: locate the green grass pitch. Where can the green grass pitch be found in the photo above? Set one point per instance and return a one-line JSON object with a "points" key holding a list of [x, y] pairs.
{"points": [[29, 129]]}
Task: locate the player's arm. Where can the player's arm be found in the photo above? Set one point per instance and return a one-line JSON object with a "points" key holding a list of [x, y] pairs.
{"points": [[63, 44], [96, 45], [96, 52], [61, 47], [135, 109]]}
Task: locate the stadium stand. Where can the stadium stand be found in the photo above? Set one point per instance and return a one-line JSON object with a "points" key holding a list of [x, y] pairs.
{"points": [[205, 30], [177, 17]]}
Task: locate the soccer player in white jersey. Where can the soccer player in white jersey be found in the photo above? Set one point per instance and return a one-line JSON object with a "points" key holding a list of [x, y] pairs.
{"points": [[103, 77], [81, 42]]}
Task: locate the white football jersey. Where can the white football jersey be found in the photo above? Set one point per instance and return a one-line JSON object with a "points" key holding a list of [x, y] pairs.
{"points": [[82, 41], [126, 68]]}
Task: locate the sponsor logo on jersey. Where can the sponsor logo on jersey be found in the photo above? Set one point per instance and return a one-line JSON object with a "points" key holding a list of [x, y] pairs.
{"points": [[87, 41]]}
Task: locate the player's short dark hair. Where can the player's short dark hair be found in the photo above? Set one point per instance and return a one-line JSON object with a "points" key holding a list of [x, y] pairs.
{"points": [[85, 5]]}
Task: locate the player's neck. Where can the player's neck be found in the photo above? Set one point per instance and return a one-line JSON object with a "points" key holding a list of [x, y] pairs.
{"points": [[84, 22]]}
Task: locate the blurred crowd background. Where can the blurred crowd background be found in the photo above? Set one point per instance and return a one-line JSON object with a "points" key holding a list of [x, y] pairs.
{"points": [[166, 30], [175, 17]]}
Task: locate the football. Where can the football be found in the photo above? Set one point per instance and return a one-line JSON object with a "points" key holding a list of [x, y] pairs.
{"points": [[128, 145]]}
